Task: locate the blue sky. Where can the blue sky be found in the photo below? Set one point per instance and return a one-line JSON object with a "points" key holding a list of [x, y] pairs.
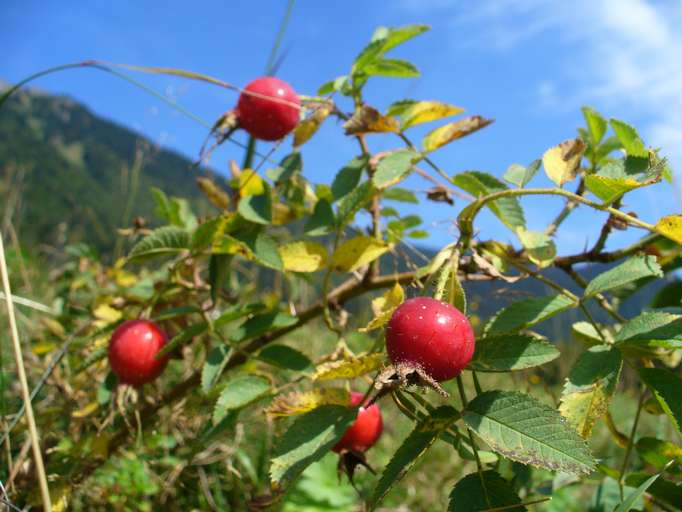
{"points": [[529, 64]]}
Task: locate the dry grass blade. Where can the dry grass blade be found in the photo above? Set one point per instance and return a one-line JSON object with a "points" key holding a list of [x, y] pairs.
{"points": [[33, 431]]}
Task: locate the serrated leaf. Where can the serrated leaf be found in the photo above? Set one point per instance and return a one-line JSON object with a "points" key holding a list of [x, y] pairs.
{"points": [[596, 125], [393, 168], [453, 131], [396, 68], [471, 494], [165, 241], [322, 220], [665, 386], [357, 252], [239, 392], [262, 248], [353, 203], [563, 161], [303, 256], [367, 119], [629, 138], [260, 324], [308, 439], [526, 313], [409, 452], [210, 231], [539, 246], [511, 352], [525, 430], [651, 329], [285, 357], [309, 126], [384, 306], [213, 366], [519, 175], [670, 227], [400, 194], [631, 270], [348, 177], [385, 40], [256, 209], [590, 387], [293, 404], [610, 189], [419, 112], [479, 184], [349, 368]]}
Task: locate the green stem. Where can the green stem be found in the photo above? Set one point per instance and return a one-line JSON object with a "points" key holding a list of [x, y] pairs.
{"points": [[568, 208], [631, 441], [272, 60]]}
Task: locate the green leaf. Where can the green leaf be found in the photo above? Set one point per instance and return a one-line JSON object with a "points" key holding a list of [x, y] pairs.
{"points": [[353, 203], [285, 357], [526, 313], [391, 38], [183, 337], [478, 184], [511, 352], [213, 366], [256, 209], [395, 68], [525, 430], [658, 452], [239, 392], [631, 270], [291, 165], [165, 241], [348, 177], [218, 270], [308, 439], [666, 387], [414, 446], [263, 247], [322, 221], [668, 296], [629, 138], [650, 330], [540, 247], [401, 195], [260, 324], [471, 494], [519, 175], [235, 313], [596, 125], [586, 334], [635, 495], [394, 168], [169, 313], [664, 491], [590, 387], [610, 189]]}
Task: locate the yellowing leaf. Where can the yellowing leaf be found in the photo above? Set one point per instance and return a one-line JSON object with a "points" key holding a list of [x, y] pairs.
{"points": [[453, 131], [299, 403], [100, 446], [670, 227], [562, 162], [282, 214], [44, 347], [125, 279], [370, 120], [85, 411], [608, 188], [53, 326], [106, 312], [250, 183], [426, 111], [541, 248], [303, 256], [384, 307], [584, 407], [213, 192], [357, 252], [349, 368], [309, 126]]}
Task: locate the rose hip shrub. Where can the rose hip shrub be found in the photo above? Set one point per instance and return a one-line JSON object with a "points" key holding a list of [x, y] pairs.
{"points": [[292, 292]]}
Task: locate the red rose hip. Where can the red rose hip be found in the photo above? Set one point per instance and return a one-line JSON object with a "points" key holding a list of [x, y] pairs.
{"points": [[366, 430], [265, 118], [132, 352], [431, 334]]}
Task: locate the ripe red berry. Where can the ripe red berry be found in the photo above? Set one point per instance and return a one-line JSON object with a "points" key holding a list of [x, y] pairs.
{"points": [[431, 334], [264, 118], [133, 349], [366, 430]]}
